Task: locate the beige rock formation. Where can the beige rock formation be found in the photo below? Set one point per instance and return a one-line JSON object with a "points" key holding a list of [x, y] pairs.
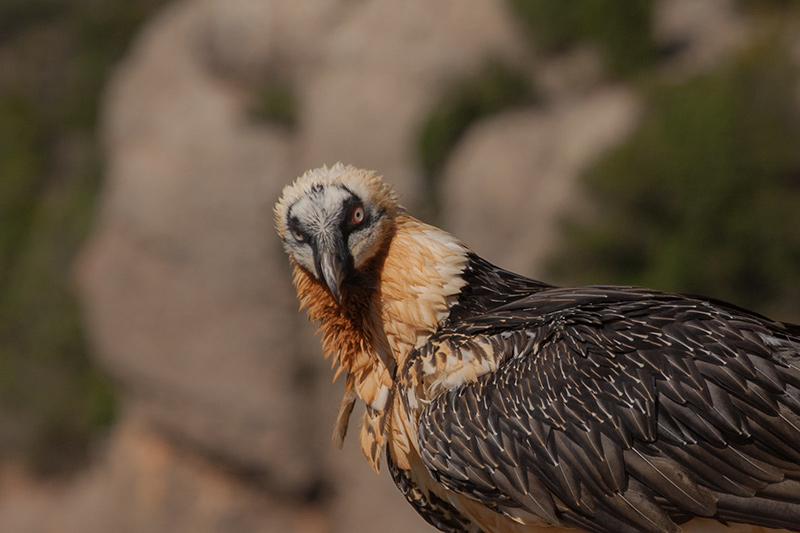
{"points": [[514, 175], [187, 291]]}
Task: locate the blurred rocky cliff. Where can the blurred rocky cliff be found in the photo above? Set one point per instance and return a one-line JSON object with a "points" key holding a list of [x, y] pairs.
{"points": [[226, 405]]}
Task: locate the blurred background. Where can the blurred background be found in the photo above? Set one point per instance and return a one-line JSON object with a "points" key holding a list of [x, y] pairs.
{"points": [[155, 374]]}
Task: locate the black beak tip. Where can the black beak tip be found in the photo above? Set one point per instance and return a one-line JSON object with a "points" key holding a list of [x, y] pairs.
{"points": [[336, 293], [330, 270]]}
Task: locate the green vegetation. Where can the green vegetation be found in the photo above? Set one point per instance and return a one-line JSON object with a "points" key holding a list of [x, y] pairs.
{"points": [[276, 105], [57, 55], [621, 30], [704, 198]]}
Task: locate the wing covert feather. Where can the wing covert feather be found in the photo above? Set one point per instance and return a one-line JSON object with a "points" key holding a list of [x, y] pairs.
{"points": [[621, 408]]}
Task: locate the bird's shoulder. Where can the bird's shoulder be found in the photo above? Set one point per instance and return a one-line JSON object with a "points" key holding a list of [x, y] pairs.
{"points": [[609, 320]]}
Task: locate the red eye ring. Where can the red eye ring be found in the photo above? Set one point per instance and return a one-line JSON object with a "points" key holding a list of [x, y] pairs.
{"points": [[358, 215], [298, 235]]}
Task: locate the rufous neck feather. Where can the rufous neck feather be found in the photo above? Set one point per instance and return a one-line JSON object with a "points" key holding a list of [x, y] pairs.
{"points": [[417, 277]]}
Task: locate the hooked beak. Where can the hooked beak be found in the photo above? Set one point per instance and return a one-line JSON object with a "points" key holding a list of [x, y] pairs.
{"points": [[331, 269]]}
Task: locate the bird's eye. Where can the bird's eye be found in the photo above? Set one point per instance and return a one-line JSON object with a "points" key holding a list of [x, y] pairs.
{"points": [[298, 235], [358, 215]]}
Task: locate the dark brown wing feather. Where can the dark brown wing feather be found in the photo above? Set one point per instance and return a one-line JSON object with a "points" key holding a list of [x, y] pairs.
{"points": [[624, 410]]}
